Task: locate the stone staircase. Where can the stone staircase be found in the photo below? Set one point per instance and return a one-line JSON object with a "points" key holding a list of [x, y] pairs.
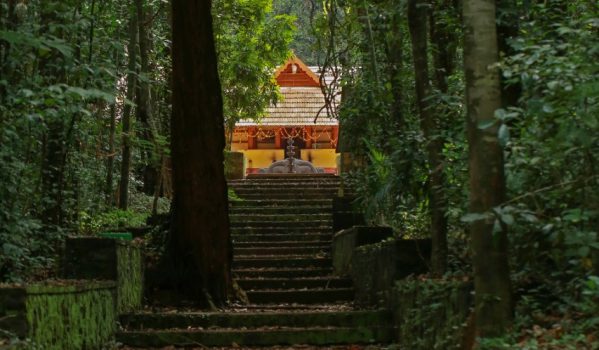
{"points": [[282, 231]]}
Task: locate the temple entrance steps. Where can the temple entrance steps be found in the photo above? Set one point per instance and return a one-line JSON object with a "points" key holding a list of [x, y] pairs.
{"points": [[282, 232]]}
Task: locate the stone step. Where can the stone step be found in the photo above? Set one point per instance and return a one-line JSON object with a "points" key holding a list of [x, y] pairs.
{"points": [[284, 224], [294, 283], [254, 236], [186, 320], [279, 210], [268, 202], [296, 191], [291, 217], [241, 261], [257, 337], [284, 185], [286, 180], [284, 195], [294, 307], [273, 272], [302, 296], [293, 176], [284, 244], [282, 250]]}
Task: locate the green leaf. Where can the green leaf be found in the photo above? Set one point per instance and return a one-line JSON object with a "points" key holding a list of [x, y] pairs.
{"points": [[584, 251], [471, 217], [484, 124], [547, 108], [503, 134], [507, 219]]}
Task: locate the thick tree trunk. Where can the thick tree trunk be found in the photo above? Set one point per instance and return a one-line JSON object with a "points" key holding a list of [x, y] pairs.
{"points": [[200, 223], [487, 184], [417, 18], [127, 131]]}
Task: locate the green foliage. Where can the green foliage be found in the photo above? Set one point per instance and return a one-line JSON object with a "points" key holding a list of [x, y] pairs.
{"points": [[251, 43], [432, 313], [112, 219]]}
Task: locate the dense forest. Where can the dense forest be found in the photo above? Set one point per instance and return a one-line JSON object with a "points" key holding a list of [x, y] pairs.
{"points": [[472, 122]]}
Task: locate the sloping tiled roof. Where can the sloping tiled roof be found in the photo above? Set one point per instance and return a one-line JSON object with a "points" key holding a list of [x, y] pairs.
{"points": [[299, 107], [303, 76]]}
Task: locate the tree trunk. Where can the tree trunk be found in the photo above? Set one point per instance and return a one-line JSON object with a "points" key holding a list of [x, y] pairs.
{"points": [[417, 19], [127, 132], [395, 59], [487, 183], [110, 157], [52, 68], [144, 103], [200, 223]]}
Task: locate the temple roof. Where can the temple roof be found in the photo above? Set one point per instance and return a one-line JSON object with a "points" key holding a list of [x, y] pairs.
{"points": [[299, 107], [302, 101]]}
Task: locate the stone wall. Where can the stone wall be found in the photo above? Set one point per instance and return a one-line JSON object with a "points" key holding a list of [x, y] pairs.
{"points": [[108, 259], [376, 267], [431, 314], [62, 315], [234, 165], [345, 242]]}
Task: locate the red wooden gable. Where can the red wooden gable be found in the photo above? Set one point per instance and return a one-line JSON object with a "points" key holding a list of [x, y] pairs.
{"points": [[303, 76]]}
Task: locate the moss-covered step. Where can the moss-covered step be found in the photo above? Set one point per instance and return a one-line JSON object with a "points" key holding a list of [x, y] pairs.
{"points": [[61, 315], [283, 272], [240, 262], [301, 296], [108, 259], [294, 283], [281, 250], [261, 236], [257, 337]]}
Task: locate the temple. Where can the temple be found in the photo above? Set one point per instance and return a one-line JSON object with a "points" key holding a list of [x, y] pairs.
{"points": [[300, 115]]}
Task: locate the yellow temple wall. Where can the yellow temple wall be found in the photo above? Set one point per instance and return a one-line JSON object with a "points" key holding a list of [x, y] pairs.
{"points": [[263, 158], [321, 158]]}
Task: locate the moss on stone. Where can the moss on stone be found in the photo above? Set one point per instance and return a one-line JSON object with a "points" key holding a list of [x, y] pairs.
{"points": [[70, 315], [130, 277]]}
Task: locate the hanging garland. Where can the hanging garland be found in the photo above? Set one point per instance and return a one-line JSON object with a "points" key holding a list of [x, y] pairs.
{"points": [[296, 133]]}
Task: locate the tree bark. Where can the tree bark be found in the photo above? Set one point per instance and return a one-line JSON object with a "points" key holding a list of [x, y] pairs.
{"points": [[110, 157], [417, 20], [493, 299], [395, 61], [52, 68], [200, 223], [127, 131], [144, 101]]}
